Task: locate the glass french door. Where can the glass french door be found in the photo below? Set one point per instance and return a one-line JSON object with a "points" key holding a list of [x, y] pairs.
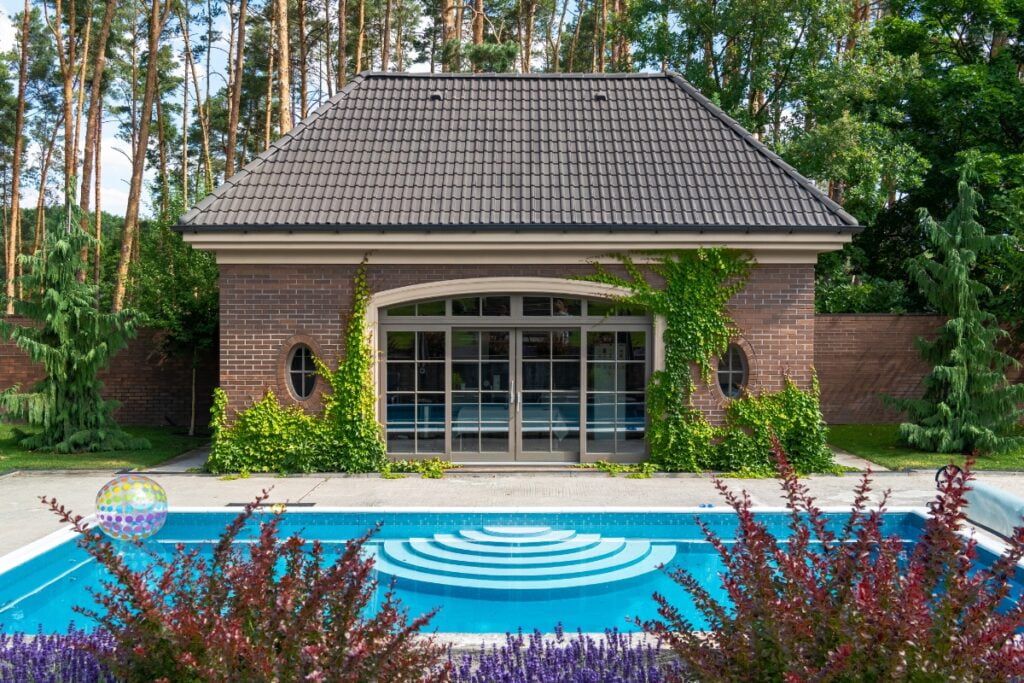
{"points": [[515, 393]]}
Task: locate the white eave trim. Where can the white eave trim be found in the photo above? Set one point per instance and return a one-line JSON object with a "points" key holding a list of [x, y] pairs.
{"points": [[526, 247]]}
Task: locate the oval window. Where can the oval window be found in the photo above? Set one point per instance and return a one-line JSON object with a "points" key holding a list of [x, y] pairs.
{"points": [[733, 371], [301, 371]]}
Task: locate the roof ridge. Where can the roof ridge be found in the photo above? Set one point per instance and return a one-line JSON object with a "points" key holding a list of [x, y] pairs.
{"points": [[274, 147], [571, 75], [762, 148]]}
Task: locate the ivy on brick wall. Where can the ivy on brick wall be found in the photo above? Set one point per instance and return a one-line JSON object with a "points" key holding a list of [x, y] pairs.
{"points": [[350, 427], [690, 290], [344, 437]]}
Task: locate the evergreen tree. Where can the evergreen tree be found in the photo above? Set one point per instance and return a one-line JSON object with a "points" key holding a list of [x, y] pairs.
{"points": [[73, 340], [968, 403]]}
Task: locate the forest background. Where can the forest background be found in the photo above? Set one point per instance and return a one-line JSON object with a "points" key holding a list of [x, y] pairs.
{"points": [[117, 115]]}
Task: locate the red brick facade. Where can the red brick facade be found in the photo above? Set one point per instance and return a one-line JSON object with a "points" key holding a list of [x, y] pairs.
{"points": [[152, 389], [265, 307]]}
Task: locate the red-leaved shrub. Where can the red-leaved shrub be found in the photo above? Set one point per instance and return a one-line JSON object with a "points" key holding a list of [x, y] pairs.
{"points": [[853, 604], [277, 611]]}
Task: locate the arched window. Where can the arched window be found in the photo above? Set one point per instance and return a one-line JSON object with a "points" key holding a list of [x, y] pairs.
{"points": [[733, 371], [301, 371]]}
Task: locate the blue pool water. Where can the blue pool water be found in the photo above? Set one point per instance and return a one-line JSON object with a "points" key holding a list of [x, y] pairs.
{"points": [[488, 572]]}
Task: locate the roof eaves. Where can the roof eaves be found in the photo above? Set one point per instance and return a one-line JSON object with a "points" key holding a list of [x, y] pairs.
{"points": [[479, 227], [186, 220], [759, 146]]}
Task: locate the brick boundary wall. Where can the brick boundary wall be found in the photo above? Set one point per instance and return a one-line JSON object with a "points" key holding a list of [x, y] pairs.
{"points": [[861, 357], [152, 389]]}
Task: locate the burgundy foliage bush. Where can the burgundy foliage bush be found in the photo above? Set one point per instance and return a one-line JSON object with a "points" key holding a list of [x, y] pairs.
{"points": [[275, 612], [851, 605]]}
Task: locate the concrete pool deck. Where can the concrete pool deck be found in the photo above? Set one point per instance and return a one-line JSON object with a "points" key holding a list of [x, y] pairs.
{"points": [[25, 519]]}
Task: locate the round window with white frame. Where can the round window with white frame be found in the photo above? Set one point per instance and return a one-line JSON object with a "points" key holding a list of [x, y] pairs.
{"points": [[733, 372], [301, 372]]}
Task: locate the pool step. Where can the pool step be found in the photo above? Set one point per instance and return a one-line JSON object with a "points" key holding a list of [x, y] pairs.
{"points": [[516, 560]]}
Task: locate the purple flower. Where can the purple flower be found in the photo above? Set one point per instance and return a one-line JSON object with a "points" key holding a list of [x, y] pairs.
{"points": [[65, 658], [581, 659]]}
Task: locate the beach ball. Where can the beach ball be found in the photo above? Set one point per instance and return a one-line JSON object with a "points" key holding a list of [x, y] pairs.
{"points": [[131, 507]]}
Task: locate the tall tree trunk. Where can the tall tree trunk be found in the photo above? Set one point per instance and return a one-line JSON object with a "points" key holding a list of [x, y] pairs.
{"points": [[44, 172], [202, 113], [385, 48], [399, 40], [303, 55], [14, 228], [284, 69], [362, 35], [268, 118], [236, 91], [66, 60], [157, 17], [447, 31], [342, 43], [80, 103], [328, 60], [581, 8], [161, 151], [98, 246], [478, 22], [184, 134], [92, 118]]}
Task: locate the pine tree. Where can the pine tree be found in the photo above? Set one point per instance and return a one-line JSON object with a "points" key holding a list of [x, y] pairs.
{"points": [[72, 339], [968, 403]]}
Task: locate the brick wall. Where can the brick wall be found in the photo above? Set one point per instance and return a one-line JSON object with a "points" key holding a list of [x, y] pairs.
{"points": [[265, 309], [152, 390], [861, 357]]}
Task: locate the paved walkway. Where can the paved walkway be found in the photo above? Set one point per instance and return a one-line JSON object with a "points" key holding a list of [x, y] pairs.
{"points": [[25, 519]]}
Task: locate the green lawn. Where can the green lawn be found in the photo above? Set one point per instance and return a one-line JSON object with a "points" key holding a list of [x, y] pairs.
{"points": [[877, 443], [166, 443]]}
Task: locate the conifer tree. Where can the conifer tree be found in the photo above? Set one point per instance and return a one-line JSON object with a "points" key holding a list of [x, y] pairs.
{"points": [[968, 403], [72, 339]]}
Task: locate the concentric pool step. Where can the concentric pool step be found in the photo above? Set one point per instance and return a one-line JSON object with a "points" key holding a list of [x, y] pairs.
{"points": [[519, 560]]}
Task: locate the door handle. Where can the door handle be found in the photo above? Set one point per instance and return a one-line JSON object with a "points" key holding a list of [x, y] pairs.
{"points": [[512, 394]]}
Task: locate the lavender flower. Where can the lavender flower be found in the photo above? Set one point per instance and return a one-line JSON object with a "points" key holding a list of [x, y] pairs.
{"points": [[581, 659], [65, 658]]}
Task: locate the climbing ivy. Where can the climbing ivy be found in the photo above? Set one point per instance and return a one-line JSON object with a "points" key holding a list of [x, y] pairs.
{"points": [[345, 437], [351, 430], [690, 290]]}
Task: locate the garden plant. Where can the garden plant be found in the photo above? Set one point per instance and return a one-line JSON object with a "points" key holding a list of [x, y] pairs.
{"points": [[278, 610], [850, 604], [968, 403], [67, 333]]}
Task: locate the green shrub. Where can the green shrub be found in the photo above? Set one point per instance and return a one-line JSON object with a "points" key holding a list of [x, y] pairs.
{"points": [[792, 415], [346, 437], [266, 437]]}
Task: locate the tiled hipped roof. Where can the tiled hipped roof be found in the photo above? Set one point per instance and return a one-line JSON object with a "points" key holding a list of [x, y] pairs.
{"points": [[568, 151]]}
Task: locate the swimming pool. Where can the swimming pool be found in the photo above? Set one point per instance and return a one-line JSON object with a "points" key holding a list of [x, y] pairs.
{"points": [[488, 571]]}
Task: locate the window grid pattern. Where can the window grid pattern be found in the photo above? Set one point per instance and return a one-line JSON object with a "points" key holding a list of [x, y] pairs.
{"points": [[415, 391], [480, 385], [302, 372], [551, 390], [733, 372], [616, 391]]}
